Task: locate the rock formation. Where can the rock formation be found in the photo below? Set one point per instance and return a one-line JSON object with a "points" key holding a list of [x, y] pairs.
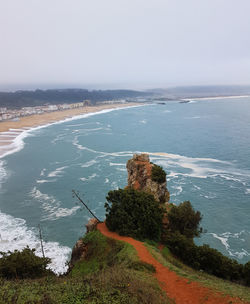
{"points": [[140, 178], [80, 249]]}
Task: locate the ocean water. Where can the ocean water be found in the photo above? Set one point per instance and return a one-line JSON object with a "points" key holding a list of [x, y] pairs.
{"points": [[202, 145]]}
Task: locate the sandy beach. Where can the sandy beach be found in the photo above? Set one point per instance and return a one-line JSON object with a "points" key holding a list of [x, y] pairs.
{"points": [[10, 131], [39, 120]]}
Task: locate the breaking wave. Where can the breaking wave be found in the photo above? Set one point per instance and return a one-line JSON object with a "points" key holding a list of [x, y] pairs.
{"points": [[15, 235]]}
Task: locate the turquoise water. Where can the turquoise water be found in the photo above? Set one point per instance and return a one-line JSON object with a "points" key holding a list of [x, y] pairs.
{"points": [[203, 146]]}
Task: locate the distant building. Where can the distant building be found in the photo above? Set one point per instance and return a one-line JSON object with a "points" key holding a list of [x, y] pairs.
{"points": [[87, 103]]}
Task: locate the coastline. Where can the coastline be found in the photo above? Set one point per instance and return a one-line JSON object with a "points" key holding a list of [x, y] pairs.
{"points": [[13, 132], [216, 97]]}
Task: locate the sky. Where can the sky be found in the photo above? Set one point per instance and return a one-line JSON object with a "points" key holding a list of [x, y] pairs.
{"points": [[123, 43]]}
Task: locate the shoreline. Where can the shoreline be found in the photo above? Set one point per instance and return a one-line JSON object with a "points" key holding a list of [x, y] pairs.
{"points": [[12, 133], [216, 97]]}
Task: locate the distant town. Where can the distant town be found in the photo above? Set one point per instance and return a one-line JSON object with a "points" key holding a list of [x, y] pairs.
{"points": [[15, 114]]}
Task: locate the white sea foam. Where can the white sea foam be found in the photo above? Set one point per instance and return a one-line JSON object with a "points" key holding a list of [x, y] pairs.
{"points": [[224, 238], [75, 142], [197, 187], [114, 185], [86, 179], [193, 117], [58, 172], [117, 164], [42, 172], [15, 235], [3, 171], [51, 206], [178, 192], [42, 181], [200, 167], [247, 191], [18, 142], [209, 196], [89, 163]]}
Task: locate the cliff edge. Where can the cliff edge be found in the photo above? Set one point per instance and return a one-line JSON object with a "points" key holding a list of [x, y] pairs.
{"points": [[142, 177]]}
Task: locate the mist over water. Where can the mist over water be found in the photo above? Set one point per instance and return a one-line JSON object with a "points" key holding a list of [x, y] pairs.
{"points": [[203, 146]]}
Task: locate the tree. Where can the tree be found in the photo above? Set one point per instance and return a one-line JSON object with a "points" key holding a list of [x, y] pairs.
{"points": [[158, 174], [23, 264], [133, 213], [185, 219]]}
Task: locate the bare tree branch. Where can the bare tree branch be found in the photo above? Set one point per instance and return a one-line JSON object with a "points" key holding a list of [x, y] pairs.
{"points": [[78, 197]]}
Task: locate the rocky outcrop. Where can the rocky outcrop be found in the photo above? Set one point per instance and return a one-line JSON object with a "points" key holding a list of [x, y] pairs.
{"points": [[80, 249], [91, 225], [140, 178]]}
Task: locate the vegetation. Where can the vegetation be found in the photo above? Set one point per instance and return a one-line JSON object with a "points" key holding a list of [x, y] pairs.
{"points": [[183, 227], [134, 213], [185, 220], [23, 264], [117, 277], [20, 99], [158, 174], [166, 258]]}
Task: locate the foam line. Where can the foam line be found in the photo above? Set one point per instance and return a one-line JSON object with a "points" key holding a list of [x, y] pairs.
{"points": [[22, 133], [15, 235]]}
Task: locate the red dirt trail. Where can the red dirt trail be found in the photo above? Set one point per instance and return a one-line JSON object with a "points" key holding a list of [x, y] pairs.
{"points": [[177, 288]]}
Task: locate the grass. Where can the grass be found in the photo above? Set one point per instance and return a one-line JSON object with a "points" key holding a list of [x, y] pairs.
{"points": [[217, 284], [111, 273]]}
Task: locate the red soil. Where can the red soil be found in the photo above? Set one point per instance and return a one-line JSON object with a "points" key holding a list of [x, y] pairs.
{"points": [[177, 288]]}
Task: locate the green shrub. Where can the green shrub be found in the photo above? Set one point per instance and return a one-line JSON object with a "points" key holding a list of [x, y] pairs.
{"points": [[246, 273], [158, 174], [184, 248], [101, 252], [205, 258], [23, 264], [184, 219], [133, 213]]}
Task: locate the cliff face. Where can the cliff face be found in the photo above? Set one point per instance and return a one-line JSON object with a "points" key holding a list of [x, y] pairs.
{"points": [[80, 249], [140, 178]]}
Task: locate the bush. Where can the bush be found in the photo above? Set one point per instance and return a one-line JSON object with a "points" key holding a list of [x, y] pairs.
{"points": [[184, 248], [23, 264], [246, 273], [134, 213], [205, 258], [158, 174], [184, 219], [214, 262]]}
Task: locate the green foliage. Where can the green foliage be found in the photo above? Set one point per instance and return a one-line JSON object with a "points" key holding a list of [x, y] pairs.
{"points": [[120, 278], [183, 227], [23, 264], [133, 213], [246, 273], [207, 259], [213, 283], [101, 252], [185, 220], [158, 174], [142, 266]]}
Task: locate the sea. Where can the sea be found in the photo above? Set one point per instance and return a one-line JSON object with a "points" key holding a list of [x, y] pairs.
{"points": [[203, 145]]}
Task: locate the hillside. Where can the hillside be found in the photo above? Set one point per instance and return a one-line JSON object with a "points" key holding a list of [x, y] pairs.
{"points": [[133, 262], [111, 272], [20, 99]]}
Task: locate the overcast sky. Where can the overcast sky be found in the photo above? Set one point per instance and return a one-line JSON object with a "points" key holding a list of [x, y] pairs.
{"points": [[126, 43]]}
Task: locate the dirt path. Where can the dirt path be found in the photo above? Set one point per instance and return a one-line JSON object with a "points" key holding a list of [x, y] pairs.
{"points": [[181, 290]]}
